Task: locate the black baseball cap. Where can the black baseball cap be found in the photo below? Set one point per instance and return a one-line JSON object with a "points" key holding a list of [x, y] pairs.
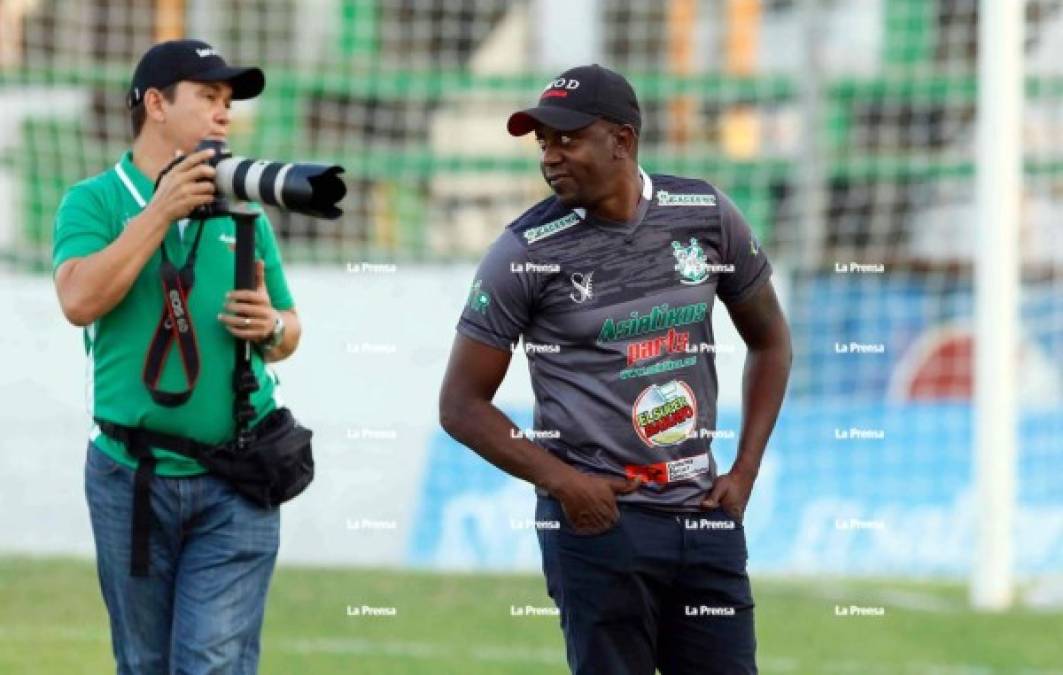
{"points": [[169, 62], [577, 97]]}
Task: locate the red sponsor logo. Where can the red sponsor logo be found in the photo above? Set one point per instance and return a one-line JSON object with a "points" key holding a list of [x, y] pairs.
{"points": [[649, 473], [555, 93], [673, 342], [670, 420], [664, 414], [662, 473]]}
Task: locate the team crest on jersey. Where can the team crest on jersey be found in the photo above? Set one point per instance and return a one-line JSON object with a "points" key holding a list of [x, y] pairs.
{"points": [[665, 414], [690, 262]]}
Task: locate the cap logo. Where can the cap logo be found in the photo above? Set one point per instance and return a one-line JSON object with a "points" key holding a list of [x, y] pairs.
{"points": [[562, 83], [205, 52]]}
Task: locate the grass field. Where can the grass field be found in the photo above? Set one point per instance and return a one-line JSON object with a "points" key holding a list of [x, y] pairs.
{"points": [[52, 621]]}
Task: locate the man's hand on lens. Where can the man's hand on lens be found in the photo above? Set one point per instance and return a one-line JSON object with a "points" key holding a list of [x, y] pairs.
{"points": [[249, 314], [589, 501], [190, 183]]}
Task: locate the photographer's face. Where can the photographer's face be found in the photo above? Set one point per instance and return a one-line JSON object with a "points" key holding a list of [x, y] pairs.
{"points": [[199, 110]]}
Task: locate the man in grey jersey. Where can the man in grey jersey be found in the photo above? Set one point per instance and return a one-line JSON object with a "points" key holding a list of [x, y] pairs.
{"points": [[614, 276]]}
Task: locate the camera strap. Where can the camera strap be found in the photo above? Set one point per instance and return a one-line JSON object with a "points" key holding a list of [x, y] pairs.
{"points": [[175, 326]]}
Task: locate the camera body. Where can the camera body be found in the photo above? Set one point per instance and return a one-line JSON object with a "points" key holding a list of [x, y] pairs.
{"points": [[310, 189]]}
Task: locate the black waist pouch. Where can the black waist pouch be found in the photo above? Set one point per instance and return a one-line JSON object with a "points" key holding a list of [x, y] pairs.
{"points": [[276, 466]]}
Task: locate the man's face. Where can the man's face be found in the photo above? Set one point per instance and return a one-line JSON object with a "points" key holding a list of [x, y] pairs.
{"points": [[199, 110], [580, 166]]}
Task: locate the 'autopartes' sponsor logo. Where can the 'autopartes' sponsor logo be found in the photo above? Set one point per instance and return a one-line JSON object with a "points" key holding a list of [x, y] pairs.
{"points": [[665, 414], [673, 342], [661, 317]]}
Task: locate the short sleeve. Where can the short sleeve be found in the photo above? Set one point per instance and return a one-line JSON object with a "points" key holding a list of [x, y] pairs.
{"points": [[268, 250], [498, 307], [82, 226], [742, 250]]}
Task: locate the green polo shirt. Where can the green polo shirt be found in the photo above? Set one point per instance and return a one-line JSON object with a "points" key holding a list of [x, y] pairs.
{"points": [[91, 216]]}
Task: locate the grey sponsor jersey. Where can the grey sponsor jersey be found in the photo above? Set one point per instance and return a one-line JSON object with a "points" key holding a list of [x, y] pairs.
{"points": [[615, 322]]}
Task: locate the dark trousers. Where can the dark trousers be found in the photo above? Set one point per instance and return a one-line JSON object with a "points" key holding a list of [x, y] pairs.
{"points": [[659, 590]]}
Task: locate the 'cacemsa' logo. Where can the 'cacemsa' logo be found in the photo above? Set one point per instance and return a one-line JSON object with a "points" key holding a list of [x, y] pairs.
{"points": [[665, 198]]}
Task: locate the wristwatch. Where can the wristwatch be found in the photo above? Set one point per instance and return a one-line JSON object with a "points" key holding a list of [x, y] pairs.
{"points": [[275, 337]]}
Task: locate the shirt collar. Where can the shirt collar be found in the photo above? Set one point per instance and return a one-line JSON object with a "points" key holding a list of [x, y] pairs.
{"points": [[139, 186], [647, 193], [647, 185]]}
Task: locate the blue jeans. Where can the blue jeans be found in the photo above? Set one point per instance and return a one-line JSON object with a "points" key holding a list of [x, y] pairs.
{"points": [[659, 591], [212, 555]]}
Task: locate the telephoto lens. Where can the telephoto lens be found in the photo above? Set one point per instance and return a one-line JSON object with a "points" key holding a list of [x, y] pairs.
{"points": [[310, 189]]}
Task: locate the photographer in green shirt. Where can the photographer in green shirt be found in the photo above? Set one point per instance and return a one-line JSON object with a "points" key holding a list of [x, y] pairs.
{"points": [[198, 607]]}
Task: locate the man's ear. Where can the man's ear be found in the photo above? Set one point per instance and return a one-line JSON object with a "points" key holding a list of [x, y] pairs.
{"points": [[153, 105], [625, 139]]}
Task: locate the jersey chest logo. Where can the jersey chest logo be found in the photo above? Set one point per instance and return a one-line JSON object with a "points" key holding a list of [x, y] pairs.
{"points": [[691, 262], [665, 414], [582, 287]]}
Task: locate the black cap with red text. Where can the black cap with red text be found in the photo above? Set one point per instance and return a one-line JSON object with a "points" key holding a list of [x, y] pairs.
{"points": [[170, 62], [577, 97]]}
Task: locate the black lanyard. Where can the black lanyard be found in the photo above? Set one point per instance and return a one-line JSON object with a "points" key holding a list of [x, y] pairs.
{"points": [[175, 324]]}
